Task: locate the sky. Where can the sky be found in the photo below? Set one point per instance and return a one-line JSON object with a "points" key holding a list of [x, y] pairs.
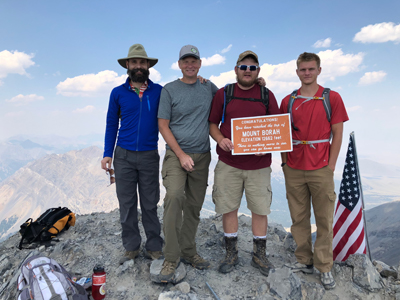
{"points": [[58, 59]]}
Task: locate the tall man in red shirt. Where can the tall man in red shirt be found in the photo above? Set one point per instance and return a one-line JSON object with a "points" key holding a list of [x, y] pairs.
{"points": [[309, 168], [236, 173]]}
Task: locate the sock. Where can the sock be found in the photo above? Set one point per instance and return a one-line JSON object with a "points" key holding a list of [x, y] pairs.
{"points": [[229, 235], [259, 237]]}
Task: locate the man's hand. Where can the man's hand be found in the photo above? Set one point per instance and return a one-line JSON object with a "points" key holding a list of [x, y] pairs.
{"points": [[202, 80], [186, 162], [259, 154], [106, 163], [261, 81], [331, 167], [226, 144]]}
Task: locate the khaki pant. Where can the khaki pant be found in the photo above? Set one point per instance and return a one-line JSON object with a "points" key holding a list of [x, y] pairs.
{"points": [[182, 203], [302, 188]]}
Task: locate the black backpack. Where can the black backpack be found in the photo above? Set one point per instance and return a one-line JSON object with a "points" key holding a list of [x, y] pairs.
{"points": [[47, 226], [228, 97]]}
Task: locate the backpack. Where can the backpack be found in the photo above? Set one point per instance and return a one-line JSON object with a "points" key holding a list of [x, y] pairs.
{"points": [[325, 100], [47, 226], [228, 97], [42, 278]]}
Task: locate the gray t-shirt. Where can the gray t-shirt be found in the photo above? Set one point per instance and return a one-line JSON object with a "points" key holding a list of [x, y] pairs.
{"points": [[187, 107]]}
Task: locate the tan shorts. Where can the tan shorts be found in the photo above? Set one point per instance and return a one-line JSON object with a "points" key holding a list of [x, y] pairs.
{"points": [[230, 182]]}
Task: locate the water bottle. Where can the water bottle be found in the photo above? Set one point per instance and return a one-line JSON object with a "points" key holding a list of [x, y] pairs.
{"points": [[98, 283]]}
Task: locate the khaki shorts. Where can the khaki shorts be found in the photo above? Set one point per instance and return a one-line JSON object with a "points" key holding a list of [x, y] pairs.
{"points": [[230, 182]]}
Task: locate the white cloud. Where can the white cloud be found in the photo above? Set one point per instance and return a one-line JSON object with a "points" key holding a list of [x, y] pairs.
{"points": [[85, 110], [155, 76], [14, 114], [353, 108], [216, 59], [90, 85], [23, 100], [14, 62], [326, 43], [379, 33], [372, 77], [282, 78], [226, 49]]}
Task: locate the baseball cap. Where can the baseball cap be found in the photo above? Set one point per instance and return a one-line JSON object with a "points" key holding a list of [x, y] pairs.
{"points": [[245, 54], [189, 50]]}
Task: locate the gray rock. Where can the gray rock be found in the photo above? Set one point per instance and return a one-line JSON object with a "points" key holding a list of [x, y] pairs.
{"points": [[285, 284], [384, 269], [312, 290], [155, 269], [173, 295], [184, 287], [364, 273], [244, 221], [289, 243]]}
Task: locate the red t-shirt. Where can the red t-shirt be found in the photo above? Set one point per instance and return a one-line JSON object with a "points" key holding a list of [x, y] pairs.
{"points": [[241, 109], [310, 118]]}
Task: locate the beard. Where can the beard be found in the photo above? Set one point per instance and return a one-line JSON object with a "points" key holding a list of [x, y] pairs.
{"points": [[138, 77], [246, 83]]}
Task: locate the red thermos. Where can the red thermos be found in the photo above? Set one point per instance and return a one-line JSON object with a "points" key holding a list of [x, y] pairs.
{"points": [[98, 283]]}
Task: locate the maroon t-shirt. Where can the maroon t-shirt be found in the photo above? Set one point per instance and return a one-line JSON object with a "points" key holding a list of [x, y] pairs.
{"points": [[241, 109]]}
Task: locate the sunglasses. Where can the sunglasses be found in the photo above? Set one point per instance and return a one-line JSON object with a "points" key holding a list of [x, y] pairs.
{"points": [[245, 67], [112, 175]]}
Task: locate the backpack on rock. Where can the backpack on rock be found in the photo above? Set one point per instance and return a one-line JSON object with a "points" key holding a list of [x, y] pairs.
{"points": [[47, 226], [42, 278]]}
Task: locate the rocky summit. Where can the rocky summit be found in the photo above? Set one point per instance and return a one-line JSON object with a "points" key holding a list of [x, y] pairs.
{"points": [[96, 238]]}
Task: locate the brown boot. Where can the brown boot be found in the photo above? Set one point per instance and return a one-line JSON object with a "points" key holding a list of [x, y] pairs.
{"points": [[231, 257], [260, 260]]}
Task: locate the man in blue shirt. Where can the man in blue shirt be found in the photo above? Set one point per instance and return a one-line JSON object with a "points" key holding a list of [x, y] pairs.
{"points": [[132, 115]]}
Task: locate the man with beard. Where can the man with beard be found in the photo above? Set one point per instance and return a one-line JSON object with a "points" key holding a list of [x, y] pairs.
{"points": [[236, 173], [132, 114]]}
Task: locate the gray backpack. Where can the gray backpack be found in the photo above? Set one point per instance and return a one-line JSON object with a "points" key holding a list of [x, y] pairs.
{"points": [[42, 278]]}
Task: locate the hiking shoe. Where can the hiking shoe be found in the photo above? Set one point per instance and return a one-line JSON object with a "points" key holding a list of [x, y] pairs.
{"points": [[298, 267], [167, 273], [231, 257], [128, 255], [259, 259], [327, 280], [196, 261], [153, 255]]}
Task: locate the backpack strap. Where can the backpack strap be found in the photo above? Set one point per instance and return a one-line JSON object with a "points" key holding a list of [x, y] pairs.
{"points": [[228, 97]]}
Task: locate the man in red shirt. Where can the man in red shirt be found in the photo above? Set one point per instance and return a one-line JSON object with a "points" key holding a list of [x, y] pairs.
{"points": [[309, 168], [236, 173]]}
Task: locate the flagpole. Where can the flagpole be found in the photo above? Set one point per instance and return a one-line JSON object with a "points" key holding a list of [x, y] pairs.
{"points": [[362, 195]]}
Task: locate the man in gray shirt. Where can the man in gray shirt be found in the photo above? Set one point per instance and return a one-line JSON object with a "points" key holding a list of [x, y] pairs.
{"points": [[183, 122]]}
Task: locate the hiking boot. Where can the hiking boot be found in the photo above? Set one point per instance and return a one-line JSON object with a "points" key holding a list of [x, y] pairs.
{"points": [[231, 257], [259, 259], [167, 273], [298, 267], [196, 261], [153, 255], [327, 280], [128, 255]]}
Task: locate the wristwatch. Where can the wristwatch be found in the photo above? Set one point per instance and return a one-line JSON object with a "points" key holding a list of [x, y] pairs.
{"points": [[282, 164]]}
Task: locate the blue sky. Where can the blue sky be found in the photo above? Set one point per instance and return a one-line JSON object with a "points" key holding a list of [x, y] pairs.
{"points": [[58, 59]]}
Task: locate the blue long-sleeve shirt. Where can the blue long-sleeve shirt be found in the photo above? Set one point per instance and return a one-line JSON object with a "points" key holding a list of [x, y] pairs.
{"points": [[138, 128]]}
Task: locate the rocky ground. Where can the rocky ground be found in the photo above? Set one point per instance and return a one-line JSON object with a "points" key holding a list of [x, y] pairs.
{"points": [[96, 238]]}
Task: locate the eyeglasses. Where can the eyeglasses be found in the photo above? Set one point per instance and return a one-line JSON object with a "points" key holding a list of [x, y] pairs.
{"points": [[112, 175], [245, 67]]}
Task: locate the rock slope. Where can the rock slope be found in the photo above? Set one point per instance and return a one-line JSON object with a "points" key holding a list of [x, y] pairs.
{"points": [[96, 238]]}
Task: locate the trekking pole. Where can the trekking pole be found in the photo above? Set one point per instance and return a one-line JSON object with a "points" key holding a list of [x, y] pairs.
{"points": [[212, 291]]}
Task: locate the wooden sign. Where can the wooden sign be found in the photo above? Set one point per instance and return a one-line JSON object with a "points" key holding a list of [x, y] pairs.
{"points": [[265, 134]]}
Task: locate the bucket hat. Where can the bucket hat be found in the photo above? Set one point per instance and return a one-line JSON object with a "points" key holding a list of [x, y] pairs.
{"points": [[137, 51]]}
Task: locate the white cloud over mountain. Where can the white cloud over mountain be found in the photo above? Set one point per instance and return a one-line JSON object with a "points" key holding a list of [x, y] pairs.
{"points": [[90, 85], [379, 33], [326, 43], [24, 99], [372, 77], [84, 110], [14, 62]]}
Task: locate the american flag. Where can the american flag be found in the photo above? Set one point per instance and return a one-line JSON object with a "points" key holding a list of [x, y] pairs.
{"points": [[348, 224]]}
